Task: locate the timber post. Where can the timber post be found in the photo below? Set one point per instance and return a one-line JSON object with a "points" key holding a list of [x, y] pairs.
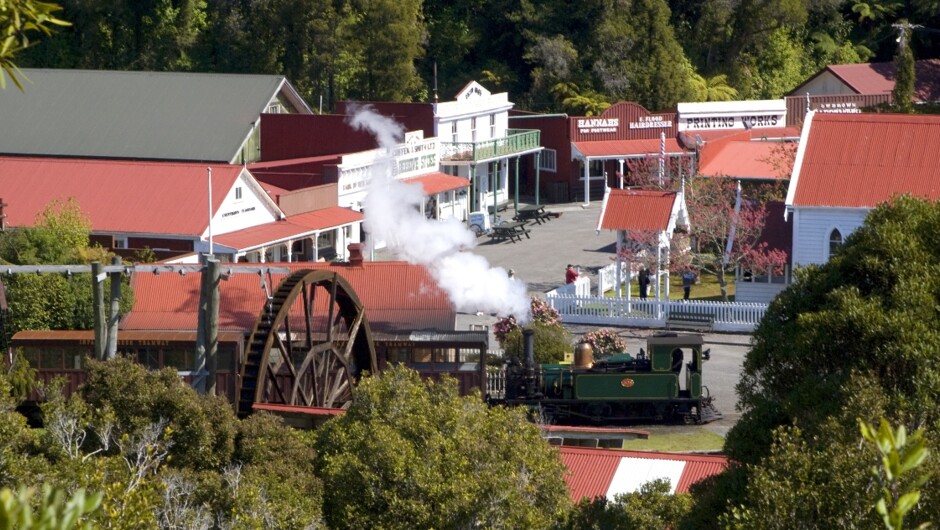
{"points": [[214, 272], [115, 309], [101, 329], [199, 365]]}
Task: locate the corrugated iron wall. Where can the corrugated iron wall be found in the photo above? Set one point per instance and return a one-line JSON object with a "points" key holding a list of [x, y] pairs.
{"points": [[835, 103]]}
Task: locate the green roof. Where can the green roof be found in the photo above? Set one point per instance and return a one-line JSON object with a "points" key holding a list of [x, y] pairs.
{"points": [[137, 115]]}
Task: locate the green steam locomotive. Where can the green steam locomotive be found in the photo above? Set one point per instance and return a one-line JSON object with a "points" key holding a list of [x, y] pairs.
{"points": [[660, 384]]}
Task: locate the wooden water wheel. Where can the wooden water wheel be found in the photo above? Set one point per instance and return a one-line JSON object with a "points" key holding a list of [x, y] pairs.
{"points": [[309, 346]]}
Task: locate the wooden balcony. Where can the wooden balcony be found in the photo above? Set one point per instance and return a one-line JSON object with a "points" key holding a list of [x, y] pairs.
{"points": [[516, 141]]}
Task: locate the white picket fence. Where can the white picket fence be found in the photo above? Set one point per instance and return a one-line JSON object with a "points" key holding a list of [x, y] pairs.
{"points": [[735, 317], [607, 277]]}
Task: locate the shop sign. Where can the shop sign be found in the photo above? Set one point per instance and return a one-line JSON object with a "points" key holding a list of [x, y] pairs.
{"points": [[845, 107], [651, 122], [598, 125], [734, 122]]}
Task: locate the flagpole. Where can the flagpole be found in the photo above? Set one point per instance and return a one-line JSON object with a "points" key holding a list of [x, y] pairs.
{"points": [[209, 169]]}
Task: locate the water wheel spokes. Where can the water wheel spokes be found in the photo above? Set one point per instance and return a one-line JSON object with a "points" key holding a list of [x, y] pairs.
{"points": [[310, 347]]}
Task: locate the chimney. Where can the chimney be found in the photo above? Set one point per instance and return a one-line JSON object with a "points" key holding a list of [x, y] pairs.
{"points": [[355, 254]]}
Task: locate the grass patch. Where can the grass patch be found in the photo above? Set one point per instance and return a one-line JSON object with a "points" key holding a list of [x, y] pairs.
{"points": [[696, 439], [706, 288]]}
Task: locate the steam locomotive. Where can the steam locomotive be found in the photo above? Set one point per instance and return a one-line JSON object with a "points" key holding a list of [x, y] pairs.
{"points": [[662, 384]]}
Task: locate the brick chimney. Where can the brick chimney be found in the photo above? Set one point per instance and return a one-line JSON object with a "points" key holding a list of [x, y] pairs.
{"points": [[355, 254]]}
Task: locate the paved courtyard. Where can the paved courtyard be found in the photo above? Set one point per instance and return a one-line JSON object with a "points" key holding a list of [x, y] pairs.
{"points": [[540, 260]]}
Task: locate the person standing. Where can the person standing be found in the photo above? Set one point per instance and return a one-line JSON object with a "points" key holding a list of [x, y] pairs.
{"points": [[688, 278], [570, 274], [644, 280]]}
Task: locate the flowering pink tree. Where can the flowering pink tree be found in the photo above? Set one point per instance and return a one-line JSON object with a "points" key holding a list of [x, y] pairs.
{"points": [[604, 342], [551, 338], [715, 221]]}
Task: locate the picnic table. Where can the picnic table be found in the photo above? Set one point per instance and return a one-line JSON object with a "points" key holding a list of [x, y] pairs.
{"points": [[532, 212], [511, 230]]}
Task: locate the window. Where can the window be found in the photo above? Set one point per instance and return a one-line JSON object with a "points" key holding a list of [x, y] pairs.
{"points": [[238, 193], [835, 241], [473, 129], [548, 160], [453, 131], [120, 242], [274, 108], [492, 126]]}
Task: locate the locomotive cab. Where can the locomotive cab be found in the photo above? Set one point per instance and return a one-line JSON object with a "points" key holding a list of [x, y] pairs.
{"points": [[682, 355]]}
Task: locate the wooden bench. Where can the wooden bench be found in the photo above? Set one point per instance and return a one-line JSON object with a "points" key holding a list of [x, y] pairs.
{"points": [[511, 231], [690, 320]]}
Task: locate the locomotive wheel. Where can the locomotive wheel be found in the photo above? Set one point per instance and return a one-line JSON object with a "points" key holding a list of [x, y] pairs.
{"points": [[309, 346]]}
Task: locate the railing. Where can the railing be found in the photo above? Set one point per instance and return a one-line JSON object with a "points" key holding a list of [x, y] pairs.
{"points": [[650, 313], [515, 141]]}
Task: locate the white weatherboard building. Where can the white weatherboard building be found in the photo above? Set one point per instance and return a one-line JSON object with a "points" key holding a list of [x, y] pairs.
{"points": [[477, 143]]}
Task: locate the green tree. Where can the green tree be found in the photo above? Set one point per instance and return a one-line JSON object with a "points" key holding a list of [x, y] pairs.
{"points": [[120, 35], [854, 338], [638, 58], [386, 37], [20, 22], [651, 507], [903, 92], [60, 235], [715, 88], [203, 426], [414, 454], [54, 512], [900, 455]]}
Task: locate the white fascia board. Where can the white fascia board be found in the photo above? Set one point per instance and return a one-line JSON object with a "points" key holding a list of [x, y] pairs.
{"points": [[798, 162]]}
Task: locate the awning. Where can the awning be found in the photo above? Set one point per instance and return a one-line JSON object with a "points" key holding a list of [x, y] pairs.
{"points": [[438, 182], [617, 149]]}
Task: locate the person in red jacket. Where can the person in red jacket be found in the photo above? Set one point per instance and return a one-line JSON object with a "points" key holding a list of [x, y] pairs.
{"points": [[570, 274]]}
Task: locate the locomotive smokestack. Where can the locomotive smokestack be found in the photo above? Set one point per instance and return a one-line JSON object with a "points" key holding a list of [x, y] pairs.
{"points": [[528, 348]]}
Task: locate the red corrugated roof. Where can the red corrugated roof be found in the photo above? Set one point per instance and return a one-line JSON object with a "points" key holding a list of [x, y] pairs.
{"points": [[879, 78], [613, 148], [439, 182], [644, 210], [292, 227], [862, 160], [592, 470], [748, 160], [116, 196], [396, 296]]}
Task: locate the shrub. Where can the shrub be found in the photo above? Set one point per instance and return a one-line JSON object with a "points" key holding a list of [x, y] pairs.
{"points": [[604, 341]]}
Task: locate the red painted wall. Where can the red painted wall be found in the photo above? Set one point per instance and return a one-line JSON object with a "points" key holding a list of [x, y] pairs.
{"points": [[287, 136]]}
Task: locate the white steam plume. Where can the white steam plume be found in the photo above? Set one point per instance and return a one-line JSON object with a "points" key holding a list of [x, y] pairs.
{"points": [[392, 215]]}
